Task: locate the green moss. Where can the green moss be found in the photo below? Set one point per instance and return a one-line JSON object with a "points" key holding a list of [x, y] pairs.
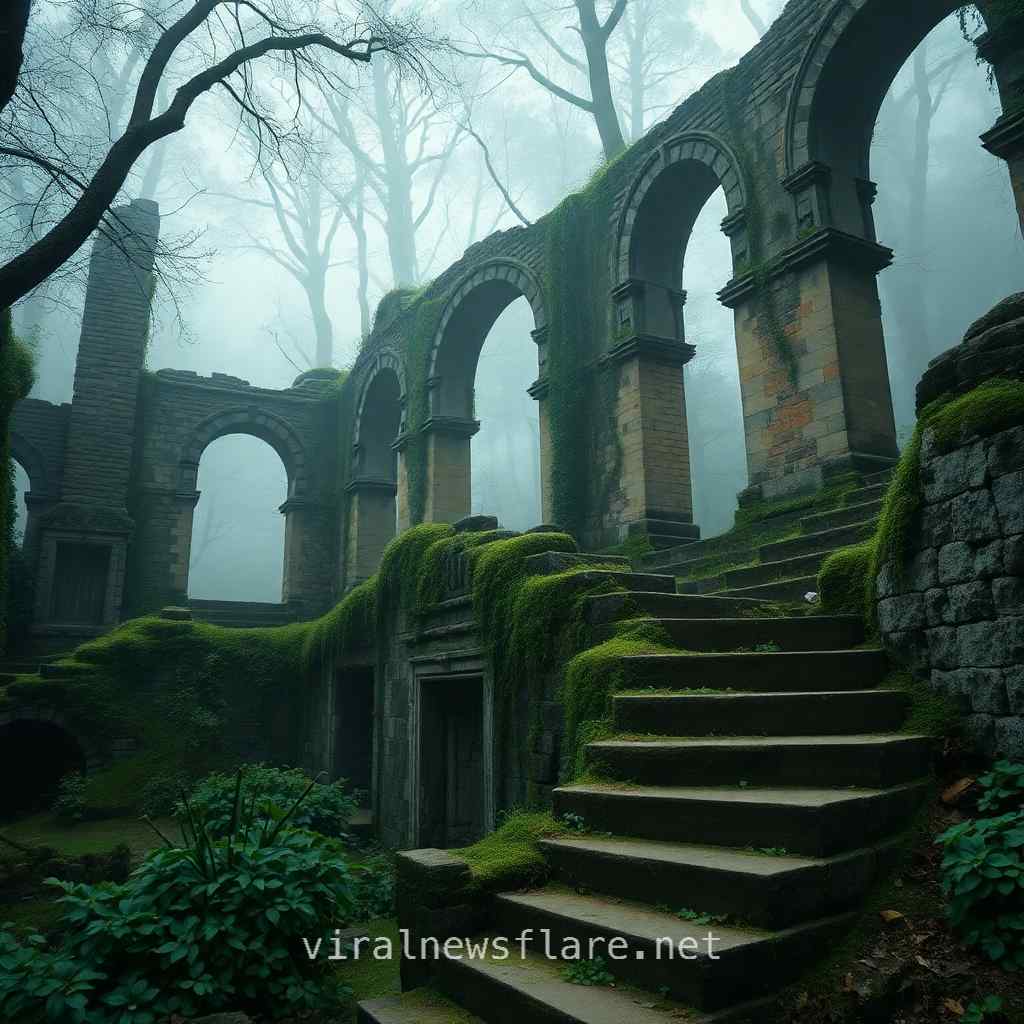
{"points": [[350, 624], [593, 676], [931, 713], [510, 857], [843, 580]]}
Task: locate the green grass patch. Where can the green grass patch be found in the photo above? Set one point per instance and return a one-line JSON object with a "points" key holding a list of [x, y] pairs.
{"points": [[84, 837], [369, 977], [843, 580], [510, 857]]}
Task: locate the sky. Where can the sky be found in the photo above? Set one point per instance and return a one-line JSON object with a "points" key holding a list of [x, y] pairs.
{"points": [[229, 320]]}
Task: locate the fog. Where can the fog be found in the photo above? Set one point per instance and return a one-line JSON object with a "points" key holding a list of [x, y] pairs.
{"points": [[241, 308]]}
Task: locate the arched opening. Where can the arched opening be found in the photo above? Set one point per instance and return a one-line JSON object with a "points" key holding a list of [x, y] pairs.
{"points": [[506, 452], [944, 205], [379, 424], [38, 755], [238, 532], [495, 396], [714, 409], [22, 485], [679, 258]]}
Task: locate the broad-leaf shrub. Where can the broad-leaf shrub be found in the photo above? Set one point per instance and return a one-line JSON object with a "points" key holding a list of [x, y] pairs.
{"points": [[215, 924], [983, 870], [327, 808]]}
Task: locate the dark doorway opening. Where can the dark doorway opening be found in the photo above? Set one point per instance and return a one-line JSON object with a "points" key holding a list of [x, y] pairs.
{"points": [[80, 583], [451, 762], [34, 757], [353, 737]]}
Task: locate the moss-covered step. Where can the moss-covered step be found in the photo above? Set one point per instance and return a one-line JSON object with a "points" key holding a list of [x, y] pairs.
{"points": [[847, 515], [810, 822], [767, 890], [612, 607], [760, 671], [778, 590], [770, 572], [420, 1006], [828, 713], [534, 989], [747, 962], [870, 492], [872, 761], [814, 543], [805, 633]]}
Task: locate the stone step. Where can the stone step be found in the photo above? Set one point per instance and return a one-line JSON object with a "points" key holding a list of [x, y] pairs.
{"points": [[531, 988], [667, 541], [870, 761], [846, 516], [612, 607], [829, 713], [879, 478], [825, 541], [726, 964], [704, 587], [50, 670], [762, 890], [666, 528], [803, 672], [548, 562], [872, 492], [809, 822], [770, 572], [784, 591], [807, 633], [420, 1006]]}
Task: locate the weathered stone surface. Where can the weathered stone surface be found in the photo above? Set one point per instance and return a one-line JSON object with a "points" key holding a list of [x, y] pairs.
{"points": [[922, 572], [974, 516], [1008, 595], [1008, 492], [979, 731], [946, 476], [1006, 452], [956, 562], [1008, 736], [1000, 642], [475, 524], [943, 649], [969, 602], [1013, 679], [936, 526], [984, 689], [1013, 556], [885, 584], [901, 613], [936, 603], [988, 560]]}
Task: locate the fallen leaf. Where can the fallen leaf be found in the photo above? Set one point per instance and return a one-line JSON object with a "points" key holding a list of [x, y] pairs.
{"points": [[952, 794], [889, 916], [847, 983], [953, 1006]]}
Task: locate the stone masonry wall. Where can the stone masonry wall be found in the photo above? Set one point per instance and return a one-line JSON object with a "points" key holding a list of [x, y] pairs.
{"points": [[957, 613]]}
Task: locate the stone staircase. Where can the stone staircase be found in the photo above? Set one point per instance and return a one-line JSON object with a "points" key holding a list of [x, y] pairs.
{"points": [[755, 794], [241, 614], [782, 571]]}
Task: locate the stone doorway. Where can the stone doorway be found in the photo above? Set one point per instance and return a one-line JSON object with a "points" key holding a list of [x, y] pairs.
{"points": [[451, 762], [353, 737]]}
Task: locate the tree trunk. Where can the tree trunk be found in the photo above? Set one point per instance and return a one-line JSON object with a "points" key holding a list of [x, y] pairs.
{"points": [[13, 24], [637, 83], [316, 293], [753, 17], [401, 231], [605, 117]]}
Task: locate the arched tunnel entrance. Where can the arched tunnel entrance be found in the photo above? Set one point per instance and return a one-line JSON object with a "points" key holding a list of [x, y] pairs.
{"points": [[34, 756]]}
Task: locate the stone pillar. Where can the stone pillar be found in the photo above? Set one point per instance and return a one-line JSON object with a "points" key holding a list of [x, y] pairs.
{"points": [[307, 579], [538, 391], [449, 496], [371, 526], [651, 418], [83, 540], [822, 303]]}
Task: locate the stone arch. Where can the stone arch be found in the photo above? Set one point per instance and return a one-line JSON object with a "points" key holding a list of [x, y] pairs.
{"points": [[475, 304], [260, 423], [829, 124], [373, 488], [32, 461]]}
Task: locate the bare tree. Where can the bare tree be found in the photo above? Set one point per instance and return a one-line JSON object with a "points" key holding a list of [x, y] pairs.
{"points": [[225, 39], [755, 19], [594, 35], [13, 26]]}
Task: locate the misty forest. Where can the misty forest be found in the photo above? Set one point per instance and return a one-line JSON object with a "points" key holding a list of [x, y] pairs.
{"points": [[490, 465]]}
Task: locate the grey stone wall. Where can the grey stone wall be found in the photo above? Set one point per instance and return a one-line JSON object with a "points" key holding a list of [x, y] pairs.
{"points": [[957, 612]]}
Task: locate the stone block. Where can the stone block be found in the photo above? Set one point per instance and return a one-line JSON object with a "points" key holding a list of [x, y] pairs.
{"points": [[974, 517], [956, 562], [1013, 679], [936, 603], [936, 525], [922, 572], [1008, 492], [910, 648], [988, 560], [475, 524], [970, 602], [1008, 595], [990, 644], [1006, 452], [885, 583], [1008, 739], [1013, 556], [979, 731], [943, 648], [984, 688], [897, 614], [949, 475]]}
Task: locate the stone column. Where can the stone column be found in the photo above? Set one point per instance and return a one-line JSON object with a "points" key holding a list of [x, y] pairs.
{"points": [[830, 409], [449, 497], [538, 391], [371, 526], [309, 553]]}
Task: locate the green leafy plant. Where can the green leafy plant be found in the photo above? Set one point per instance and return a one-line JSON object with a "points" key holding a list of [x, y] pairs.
{"points": [[698, 917], [1003, 788], [588, 972], [216, 923], [69, 804], [327, 808], [979, 1013]]}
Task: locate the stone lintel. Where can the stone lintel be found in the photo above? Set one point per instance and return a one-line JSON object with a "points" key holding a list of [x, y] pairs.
{"points": [[84, 519], [370, 484], [824, 244], [811, 173], [670, 351], [1005, 139], [454, 426]]}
